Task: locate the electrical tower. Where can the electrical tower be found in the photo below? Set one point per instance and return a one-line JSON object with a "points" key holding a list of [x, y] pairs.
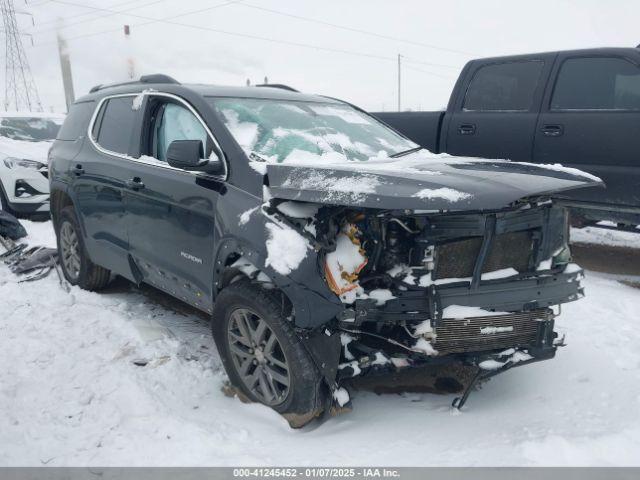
{"points": [[20, 91]]}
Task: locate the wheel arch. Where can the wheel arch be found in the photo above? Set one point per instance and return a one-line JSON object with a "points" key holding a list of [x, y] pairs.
{"points": [[311, 310], [59, 199]]}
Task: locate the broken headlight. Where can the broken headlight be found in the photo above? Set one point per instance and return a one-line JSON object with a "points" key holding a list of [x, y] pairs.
{"points": [[12, 162]]}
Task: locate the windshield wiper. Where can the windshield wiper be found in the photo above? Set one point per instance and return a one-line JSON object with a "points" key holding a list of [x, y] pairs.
{"points": [[254, 156], [405, 152]]}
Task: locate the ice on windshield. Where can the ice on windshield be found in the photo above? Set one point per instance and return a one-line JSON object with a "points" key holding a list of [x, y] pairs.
{"points": [[306, 132], [30, 129]]}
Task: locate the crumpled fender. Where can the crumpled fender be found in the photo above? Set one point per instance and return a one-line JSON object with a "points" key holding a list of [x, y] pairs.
{"points": [[305, 287]]}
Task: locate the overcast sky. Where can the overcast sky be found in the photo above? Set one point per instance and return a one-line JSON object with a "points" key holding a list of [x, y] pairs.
{"points": [[187, 41]]}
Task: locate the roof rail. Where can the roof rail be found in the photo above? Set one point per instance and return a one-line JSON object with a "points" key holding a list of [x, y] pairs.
{"points": [[153, 78], [278, 85], [158, 78]]}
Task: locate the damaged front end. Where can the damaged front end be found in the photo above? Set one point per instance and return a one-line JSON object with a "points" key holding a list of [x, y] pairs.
{"points": [[476, 289]]}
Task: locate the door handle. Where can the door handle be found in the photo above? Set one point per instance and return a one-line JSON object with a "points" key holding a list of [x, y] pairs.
{"points": [[134, 183], [78, 170], [467, 129], [552, 130]]}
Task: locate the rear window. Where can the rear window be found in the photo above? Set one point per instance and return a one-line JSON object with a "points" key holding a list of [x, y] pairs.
{"points": [[114, 124], [76, 121], [503, 87], [597, 83]]}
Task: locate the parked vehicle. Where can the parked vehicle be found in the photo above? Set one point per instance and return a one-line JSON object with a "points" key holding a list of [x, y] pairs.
{"points": [[579, 108], [25, 138], [324, 244]]}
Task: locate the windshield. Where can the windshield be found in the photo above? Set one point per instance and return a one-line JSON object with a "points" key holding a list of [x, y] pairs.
{"points": [[300, 132], [30, 129]]}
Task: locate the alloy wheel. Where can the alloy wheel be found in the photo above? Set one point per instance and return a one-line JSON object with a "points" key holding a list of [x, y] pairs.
{"points": [[258, 357], [69, 250]]}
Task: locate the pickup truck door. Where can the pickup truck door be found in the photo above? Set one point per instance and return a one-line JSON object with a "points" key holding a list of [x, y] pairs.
{"points": [[171, 212], [495, 111], [590, 120]]}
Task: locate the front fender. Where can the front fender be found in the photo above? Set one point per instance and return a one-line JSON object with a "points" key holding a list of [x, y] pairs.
{"points": [[312, 309], [241, 231]]}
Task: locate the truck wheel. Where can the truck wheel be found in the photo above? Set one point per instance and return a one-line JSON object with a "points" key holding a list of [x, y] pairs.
{"points": [[262, 354], [78, 269]]}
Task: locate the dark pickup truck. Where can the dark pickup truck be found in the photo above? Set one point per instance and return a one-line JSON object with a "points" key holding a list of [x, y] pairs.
{"points": [[580, 108]]}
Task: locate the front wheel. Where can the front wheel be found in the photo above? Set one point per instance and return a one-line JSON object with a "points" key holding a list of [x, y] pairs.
{"points": [[78, 269], [262, 354]]}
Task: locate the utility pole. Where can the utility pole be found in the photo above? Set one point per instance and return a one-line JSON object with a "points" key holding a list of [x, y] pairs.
{"points": [[20, 91], [131, 64], [399, 78], [65, 67]]}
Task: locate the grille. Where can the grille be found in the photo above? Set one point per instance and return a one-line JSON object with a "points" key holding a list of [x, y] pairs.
{"points": [[459, 335], [457, 259]]}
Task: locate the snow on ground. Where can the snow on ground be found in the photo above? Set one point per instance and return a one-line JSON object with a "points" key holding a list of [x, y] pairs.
{"points": [[72, 394], [602, 236]]}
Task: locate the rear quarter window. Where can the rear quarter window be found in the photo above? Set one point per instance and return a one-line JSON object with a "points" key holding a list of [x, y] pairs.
{"points": [[503, 87], [76, 122], [114, 124]]}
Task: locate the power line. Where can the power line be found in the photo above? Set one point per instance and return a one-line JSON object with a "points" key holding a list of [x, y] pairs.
{"points": [[356, 30], [84, 14], [168, 20], [99, 17]]}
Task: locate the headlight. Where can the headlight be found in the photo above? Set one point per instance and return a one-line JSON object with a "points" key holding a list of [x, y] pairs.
{"points": [[12, 162]]}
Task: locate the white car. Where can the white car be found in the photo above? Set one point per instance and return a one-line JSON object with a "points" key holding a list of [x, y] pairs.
{"points": [[25, 139]]}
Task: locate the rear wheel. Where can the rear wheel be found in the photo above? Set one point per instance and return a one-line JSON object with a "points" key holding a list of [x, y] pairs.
{"points": [[263, 356], [78, 269]]}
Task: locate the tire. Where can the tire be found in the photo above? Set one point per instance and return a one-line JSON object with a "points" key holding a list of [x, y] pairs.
{"points": [[78, 269], [280, 354]]}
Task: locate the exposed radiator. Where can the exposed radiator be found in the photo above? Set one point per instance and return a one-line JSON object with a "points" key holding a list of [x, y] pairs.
{"points": [[478, 334], [457, 259]]}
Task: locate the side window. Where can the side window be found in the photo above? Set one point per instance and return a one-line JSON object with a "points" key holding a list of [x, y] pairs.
{"points": [[175, 122], [597, 83], [76, 122], [114, 124], [503, 87]]}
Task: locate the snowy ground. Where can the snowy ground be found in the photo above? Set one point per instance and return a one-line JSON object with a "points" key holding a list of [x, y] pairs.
{"points": [[602, 236], [71, 393]]}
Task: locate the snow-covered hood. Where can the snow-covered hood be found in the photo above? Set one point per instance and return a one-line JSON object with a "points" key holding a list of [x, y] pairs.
{"points": [[423, 182], [22, 149]]}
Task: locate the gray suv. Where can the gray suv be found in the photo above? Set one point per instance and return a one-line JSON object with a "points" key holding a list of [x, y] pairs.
{"points": [[325, 245]]}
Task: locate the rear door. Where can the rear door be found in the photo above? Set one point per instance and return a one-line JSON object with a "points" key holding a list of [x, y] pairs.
{"points": [[171, 212], [590, 120], [99, 174], [495, 117]]}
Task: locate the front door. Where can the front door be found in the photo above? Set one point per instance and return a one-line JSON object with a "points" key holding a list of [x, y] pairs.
{"points": [[171, 218], [591, 120]]}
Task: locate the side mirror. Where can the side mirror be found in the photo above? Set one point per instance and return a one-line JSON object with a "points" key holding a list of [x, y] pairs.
{"points": [[188, 155]]}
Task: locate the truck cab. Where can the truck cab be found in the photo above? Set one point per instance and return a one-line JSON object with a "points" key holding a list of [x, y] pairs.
{"points": [[580, 108]]}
